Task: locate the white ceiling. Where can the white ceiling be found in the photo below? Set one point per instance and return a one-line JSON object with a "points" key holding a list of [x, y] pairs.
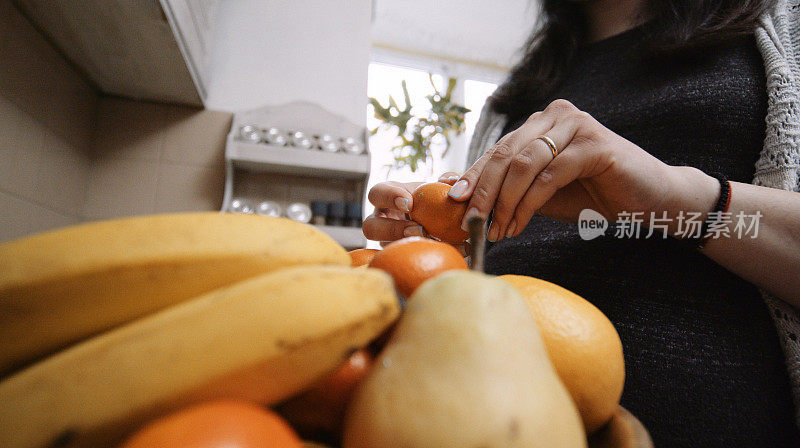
{"points": [[482, 32]]}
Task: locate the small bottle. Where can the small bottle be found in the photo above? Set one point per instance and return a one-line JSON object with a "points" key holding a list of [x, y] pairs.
{"points": [[319, 212], [269, 208], [250, 133], [327, 143], [301, 140], [353, 214], [299, 212], [336, 214], [274, 136], [351, 146], [241, 206]]}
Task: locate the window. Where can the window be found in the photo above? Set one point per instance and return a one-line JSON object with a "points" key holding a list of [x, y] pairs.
{"points": [[384, 79], [475, 94]]}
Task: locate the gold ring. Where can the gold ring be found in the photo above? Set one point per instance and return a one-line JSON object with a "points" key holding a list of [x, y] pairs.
{"points": [[550, 143]]}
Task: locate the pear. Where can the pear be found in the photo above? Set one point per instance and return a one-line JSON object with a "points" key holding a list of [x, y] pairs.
{"points": [[465, 368]]}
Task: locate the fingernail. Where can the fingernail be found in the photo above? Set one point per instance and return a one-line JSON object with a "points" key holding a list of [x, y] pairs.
{"points": [[493, 231], [402, 204], [453, 178], [511, 228], [458, 189], [472, 212], [412, 231]]}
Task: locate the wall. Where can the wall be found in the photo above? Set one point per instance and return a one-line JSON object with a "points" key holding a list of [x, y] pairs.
{"points": [[68, 154], [45, 131], [155, 158], [273, 52]]}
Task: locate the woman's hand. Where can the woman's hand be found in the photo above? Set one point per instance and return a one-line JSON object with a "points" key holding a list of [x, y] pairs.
{"points": [[594, 168], [393, 201]]}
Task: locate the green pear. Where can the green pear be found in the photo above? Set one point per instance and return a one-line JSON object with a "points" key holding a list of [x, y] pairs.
{"points": [[465, 368]]}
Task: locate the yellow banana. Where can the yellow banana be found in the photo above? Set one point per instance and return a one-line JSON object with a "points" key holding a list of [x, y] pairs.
{"points": [[59, 287], [261, 340]]}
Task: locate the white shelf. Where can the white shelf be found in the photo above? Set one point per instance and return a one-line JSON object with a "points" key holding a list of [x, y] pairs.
{"points": [[287, 160], [305, 175], [349, 237]]}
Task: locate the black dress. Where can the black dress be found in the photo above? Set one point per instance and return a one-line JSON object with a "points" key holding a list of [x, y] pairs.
{"points": [[704, 367]]}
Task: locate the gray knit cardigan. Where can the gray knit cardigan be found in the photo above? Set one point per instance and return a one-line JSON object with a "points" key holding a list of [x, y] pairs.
{"points": [[778, 39]]}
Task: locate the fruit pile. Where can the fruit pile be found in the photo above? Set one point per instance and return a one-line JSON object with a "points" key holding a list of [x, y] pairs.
{"points": [[111, 324], [222, 330]]}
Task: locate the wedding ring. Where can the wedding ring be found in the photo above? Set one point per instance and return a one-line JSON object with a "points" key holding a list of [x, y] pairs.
{"points": [[550, 143]]}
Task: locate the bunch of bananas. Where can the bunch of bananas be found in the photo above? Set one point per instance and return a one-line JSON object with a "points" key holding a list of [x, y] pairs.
{"points": [[106, 325]]}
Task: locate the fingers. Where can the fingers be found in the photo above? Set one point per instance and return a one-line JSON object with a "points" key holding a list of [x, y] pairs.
{"points": [[521, 172], [449, 177], [392, 195], [527, 166], [462, 189], [488, 185], [378, 228], [392, 200], [490, 180], [550, 179], [568, 166]]}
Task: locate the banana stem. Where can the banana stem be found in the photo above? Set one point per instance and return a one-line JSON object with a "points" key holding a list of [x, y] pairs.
{"points": [[477, 240]]}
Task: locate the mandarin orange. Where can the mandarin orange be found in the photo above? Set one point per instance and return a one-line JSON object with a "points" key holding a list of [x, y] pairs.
{"points": [[217, 424], [439, 214], [413, 260]]}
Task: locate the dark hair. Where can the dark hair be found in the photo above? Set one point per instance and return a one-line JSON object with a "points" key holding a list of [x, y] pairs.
{"points": [[675, 26]]}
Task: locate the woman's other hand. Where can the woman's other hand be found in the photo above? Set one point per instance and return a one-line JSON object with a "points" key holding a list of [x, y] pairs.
{"points": [[393, 202], [594, 168]]}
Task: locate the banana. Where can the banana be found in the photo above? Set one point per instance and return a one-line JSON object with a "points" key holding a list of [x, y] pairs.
{"points": [[262, 340], [59, 287]]}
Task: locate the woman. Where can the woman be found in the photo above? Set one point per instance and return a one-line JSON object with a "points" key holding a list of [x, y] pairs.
{"points": [[626, 107]]}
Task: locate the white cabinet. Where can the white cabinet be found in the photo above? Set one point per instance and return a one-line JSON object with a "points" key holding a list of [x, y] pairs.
{"points": [[128, 48], [257, 170]]}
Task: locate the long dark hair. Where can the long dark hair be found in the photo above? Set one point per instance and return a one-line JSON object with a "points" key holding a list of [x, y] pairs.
{"points": [[675, 26]]}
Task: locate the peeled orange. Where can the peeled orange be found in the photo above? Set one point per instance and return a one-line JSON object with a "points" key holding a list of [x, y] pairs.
{"points": [[439, 214], [582, 344], [413, 260]]}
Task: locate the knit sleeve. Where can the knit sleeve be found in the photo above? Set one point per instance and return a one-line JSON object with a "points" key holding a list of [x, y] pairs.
{"points": [[778, 39]]}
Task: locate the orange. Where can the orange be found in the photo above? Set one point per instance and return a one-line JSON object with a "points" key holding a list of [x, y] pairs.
{"points": [[322, 407], [217, 424], [582, 344], [413, 260], [360, 257], [439, 214]]}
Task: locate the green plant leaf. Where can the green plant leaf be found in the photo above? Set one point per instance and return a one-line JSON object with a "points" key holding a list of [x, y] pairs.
{"points": [[416, 134]]}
